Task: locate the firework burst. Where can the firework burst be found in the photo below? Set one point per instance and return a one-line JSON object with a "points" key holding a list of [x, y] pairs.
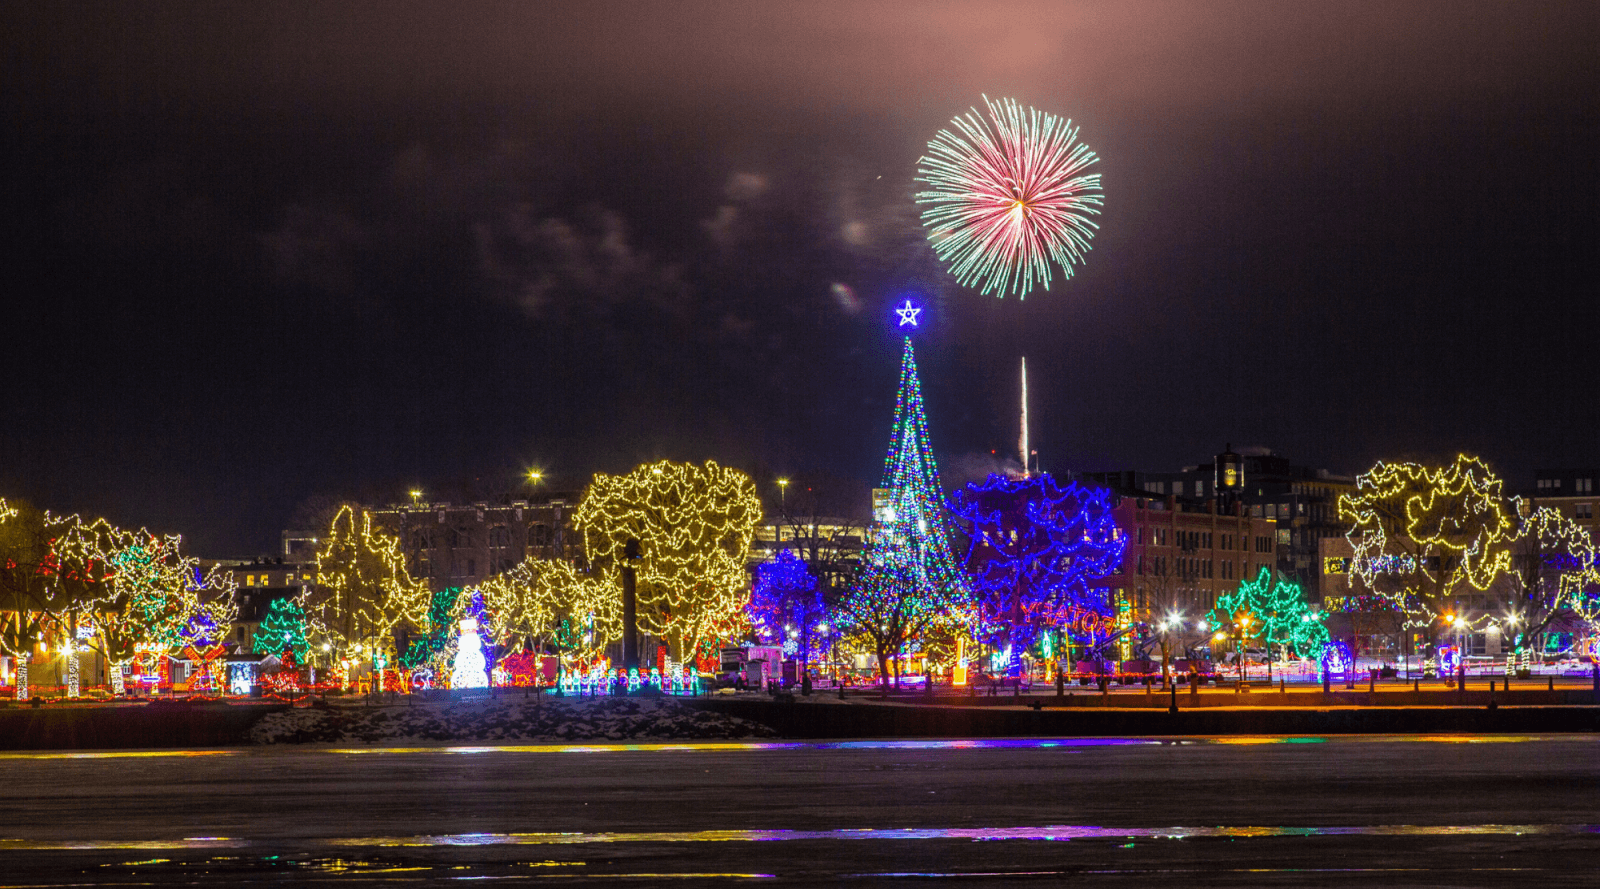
{"points": [[1008, 197]]}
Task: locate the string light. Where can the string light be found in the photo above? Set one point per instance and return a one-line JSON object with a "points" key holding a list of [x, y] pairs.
{"points": [[1273, 609], [144, 594], [363, 591], [694, 526], [527, 607], [1036, 550], [282, 628], [786, 607], [1419, 532], [1336, 658], [908, 580]]}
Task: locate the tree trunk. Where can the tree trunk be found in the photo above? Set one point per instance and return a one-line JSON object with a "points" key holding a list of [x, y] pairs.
{"points": [[883, 665], [118, 687], [22, 693], [74, 686]]}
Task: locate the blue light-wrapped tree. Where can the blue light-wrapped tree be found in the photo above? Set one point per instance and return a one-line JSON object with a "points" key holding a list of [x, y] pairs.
{"points": [[1035, 550], [786, 608]]}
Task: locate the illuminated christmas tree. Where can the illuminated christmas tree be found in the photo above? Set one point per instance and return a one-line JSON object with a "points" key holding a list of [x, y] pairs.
{"points": [[1427, 537], [283, 628], [909, 576], [363, 593], [441, 622], [693, 526]]}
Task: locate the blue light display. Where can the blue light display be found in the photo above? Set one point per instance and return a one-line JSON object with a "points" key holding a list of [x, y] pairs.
{"points": [[786, 607], [1035, 549], [1337, 659]]}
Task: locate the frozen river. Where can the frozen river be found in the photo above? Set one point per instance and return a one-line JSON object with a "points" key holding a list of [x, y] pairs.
{"points": [[1353, 810]]}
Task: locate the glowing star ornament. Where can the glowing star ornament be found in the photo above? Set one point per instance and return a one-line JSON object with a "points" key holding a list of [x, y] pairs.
{"points": [[908, 312], [1009, 196], [469, 670]]}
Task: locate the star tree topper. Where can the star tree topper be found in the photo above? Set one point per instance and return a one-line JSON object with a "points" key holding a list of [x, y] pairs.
{"points": [[908, 313]]}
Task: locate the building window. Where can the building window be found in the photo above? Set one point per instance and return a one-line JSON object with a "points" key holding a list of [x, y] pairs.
{"points": [[1585, 510]]}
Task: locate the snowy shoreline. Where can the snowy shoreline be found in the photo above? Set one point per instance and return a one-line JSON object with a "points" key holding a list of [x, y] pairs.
{"points": [[589, 719]]}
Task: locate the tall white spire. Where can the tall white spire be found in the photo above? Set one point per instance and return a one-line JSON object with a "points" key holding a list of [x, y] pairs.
{"points": [[1022, 442]]}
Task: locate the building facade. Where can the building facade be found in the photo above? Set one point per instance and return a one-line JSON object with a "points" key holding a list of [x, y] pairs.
{"points": [[1302, 503], [1181, 556], [459, 546]]}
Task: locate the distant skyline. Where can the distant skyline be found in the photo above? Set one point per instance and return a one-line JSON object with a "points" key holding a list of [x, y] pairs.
{"points": [[266, 253]]}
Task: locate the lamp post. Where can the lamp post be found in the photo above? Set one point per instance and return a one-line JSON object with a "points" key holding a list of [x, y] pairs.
{"points": [[1239, 646], [783, 507]]}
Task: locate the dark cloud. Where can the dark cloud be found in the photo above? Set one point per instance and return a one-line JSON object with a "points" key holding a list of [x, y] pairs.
{"points": [[553, 267], [354, 248]]}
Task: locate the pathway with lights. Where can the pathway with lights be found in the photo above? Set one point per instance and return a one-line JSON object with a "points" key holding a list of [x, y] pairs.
{"points": [[1363, 810]]}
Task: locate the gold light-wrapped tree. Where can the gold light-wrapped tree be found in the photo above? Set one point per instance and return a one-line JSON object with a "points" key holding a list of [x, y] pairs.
{"points": [[694, 525]]}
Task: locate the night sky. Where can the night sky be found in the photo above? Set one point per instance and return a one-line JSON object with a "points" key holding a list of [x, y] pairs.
{"points": [[260, 253]]}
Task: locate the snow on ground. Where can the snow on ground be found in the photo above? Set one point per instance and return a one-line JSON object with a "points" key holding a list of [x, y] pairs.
{"points": [[502, 719]]}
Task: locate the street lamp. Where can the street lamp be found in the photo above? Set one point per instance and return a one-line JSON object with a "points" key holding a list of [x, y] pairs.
{"points": [[415, 497], [783, 500], [535, 475], [1244, 631]]}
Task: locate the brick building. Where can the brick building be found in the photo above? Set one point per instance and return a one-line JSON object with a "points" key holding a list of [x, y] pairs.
{"points": [[1180, 556]]}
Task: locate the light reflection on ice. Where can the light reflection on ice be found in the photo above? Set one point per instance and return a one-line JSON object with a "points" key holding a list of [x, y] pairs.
{"points": [[1048, 833]]}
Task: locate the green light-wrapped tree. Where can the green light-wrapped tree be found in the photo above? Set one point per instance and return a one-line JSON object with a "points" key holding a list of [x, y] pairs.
{"points": [[282, 628], [1273, 610]]}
